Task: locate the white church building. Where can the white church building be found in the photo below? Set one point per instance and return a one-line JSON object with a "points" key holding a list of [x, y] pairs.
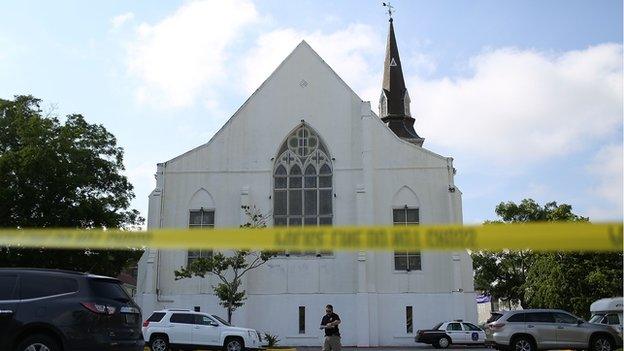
{"points": [[306, 150]]}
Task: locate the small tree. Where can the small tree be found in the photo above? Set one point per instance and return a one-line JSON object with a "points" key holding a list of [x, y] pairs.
{"points": [[230, 269]]}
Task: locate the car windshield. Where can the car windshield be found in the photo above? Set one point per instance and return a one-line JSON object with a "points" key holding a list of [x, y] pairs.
{"points": [[596, 318], [224, 322], [437, 326]]}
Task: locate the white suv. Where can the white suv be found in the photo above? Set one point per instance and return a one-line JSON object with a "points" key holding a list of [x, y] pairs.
{"points": [[186, 329]]}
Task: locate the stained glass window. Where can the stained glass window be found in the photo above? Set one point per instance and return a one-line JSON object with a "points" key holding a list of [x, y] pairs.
{"points": [[303, 192]]}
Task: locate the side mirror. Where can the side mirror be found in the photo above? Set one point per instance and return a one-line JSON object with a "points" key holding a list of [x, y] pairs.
{"points": [[579, 321], [213, 324]]}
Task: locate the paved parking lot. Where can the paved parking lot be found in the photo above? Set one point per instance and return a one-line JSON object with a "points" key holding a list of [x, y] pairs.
{"points": [[415, 347], [411, 348]]}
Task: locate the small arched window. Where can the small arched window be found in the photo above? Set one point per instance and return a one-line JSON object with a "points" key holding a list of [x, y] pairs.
{"points": [[383, 104], [406, 103], [302, 193]]}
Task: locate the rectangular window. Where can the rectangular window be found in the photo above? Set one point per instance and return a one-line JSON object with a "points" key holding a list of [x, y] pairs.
{"points": [[108, 288], [408, 320], [406, 261], [200, 219], [518, 317], [182, 318], [35, 285], [156, 317], [301, 319], [453, 327], [539, 317], [612, 319], [204, 320]]}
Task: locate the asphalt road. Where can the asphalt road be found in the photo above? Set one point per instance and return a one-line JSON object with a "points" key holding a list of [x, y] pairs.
{"points": [[398, 348], [452, 347], [411, 348]]}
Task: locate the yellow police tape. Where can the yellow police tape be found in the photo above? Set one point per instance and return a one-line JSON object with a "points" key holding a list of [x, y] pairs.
{"points": [[536, 236]]}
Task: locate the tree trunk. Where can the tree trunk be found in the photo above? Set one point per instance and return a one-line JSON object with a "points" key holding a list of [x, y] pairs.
{"points": [[229, 311]]}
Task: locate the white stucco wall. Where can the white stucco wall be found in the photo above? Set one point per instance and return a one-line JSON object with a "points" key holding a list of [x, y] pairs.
{"points": [[373, 171]]}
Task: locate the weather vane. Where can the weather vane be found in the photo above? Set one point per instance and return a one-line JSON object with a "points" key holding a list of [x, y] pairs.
{"points": [[390, 8]]}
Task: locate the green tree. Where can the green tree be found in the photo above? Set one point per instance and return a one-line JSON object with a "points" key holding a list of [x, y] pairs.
{"points": [[572, 281], [57, 174], [230, 269], [503, 274]]}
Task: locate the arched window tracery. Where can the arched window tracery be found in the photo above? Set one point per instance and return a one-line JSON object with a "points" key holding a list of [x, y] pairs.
{"points": [[302, 174]]}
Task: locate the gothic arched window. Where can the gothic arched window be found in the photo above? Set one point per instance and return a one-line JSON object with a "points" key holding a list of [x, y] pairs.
{"points": [[383, 104], [406, 102], [302, 193]]}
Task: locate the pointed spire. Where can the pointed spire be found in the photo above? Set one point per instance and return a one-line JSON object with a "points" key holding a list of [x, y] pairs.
{"points": [[394, 103], [393, 82]]}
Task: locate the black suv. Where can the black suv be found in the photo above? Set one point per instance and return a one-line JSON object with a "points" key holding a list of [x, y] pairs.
{"points": [[53, 310]]}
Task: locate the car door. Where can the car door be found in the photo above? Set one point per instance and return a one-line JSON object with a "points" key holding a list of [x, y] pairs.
{"points": [[179, 328], [8, 307], [473, 334], [541, 325], [206, 331], [456, 333], [570, 333]]}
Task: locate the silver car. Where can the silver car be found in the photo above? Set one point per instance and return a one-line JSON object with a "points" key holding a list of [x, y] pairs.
{"points": [[530, 330]]}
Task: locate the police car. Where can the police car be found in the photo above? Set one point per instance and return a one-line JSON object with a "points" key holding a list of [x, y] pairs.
{"points": [[454, 332]]}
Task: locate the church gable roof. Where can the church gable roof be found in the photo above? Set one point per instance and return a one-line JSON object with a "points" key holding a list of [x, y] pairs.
{"points": [[302, 51]]}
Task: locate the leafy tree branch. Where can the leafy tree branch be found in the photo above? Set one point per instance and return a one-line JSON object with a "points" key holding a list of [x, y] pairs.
{"points": [[230, 269], [62, 173]]}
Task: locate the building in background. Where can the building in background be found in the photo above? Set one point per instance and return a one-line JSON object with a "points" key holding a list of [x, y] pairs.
{"points": [[307, 150], [487, 305], [128, 278]]}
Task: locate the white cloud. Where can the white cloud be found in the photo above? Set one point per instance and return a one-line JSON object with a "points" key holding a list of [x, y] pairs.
{"points": [[119, 20], [607, 170], [179, 57], [142, 174], [538, 191], [421, 63], [517, 106], [348, 51], [523, 106]]}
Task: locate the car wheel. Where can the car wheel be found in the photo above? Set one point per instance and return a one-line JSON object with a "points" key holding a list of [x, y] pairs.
{"points": [[38, 342], [523, 344], [159, 343], [443, 343], [234, 344], [601, 343]]}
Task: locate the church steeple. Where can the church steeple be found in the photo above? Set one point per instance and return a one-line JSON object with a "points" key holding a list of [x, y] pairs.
{"points": [[394, 103]]}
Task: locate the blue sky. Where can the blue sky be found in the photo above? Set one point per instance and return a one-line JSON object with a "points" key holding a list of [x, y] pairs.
{"points": [[525, 95]]}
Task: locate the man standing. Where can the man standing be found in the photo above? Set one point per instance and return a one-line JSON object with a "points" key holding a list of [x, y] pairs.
{"points": [[330, 323]]}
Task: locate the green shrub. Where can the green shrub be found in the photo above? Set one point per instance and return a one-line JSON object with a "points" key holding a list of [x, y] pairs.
{"points": [[271, 339]]}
